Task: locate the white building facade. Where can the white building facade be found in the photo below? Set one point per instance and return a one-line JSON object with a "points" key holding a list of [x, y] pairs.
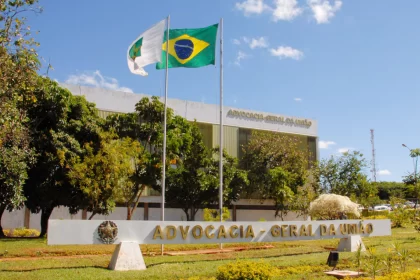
{"points": [[238, 126]]}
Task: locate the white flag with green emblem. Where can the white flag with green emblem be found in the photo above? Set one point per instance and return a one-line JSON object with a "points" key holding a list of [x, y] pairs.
{"points": [[146, 49]]}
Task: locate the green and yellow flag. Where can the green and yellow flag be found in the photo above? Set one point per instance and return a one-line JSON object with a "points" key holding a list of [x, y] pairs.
{"points": [[190, 48]]}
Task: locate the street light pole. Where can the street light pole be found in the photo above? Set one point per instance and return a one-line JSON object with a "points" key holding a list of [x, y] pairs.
{"points": [[415, 155], [415, 159]]}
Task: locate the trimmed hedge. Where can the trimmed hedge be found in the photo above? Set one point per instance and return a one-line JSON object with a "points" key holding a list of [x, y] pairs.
{"points": [[21, 232], [377, 217], [245, 270]]}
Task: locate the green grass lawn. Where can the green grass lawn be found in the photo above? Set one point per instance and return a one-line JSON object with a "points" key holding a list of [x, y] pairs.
{"points": [[33, 259]]}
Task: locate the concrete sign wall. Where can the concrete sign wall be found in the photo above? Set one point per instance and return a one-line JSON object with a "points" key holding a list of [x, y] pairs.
{"points": [[156, 232]]}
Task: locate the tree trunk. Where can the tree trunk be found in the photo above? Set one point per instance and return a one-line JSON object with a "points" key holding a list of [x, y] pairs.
{"points": [[192, 216], [128, 212], [93, 214], [2, 208], [45, 215], [187, 213]]}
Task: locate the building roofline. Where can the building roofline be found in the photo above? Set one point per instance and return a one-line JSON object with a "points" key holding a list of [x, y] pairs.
{"points": [[124, 102]]}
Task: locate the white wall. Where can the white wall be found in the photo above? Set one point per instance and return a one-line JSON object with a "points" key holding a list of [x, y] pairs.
{"points": [[268, 215], [15, 219]]}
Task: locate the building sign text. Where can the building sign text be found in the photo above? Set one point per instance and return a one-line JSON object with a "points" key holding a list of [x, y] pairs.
{"points": [[269, 118]]}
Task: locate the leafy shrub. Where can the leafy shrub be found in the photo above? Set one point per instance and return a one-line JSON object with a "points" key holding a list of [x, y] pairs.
{"points": [[377, 217], [245, 270], [212, 215], [396, 260], [199, 278], [370, 214], [21, 232], [414, 214], [372, 262], [399, 217], [290, 270], [417, 227]]}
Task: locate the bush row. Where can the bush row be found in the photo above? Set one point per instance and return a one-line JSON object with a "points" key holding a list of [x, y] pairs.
{"points": [[21, 232]]}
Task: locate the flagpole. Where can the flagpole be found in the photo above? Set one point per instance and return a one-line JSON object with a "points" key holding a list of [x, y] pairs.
{"points": [[221, 128], [164, 128]]}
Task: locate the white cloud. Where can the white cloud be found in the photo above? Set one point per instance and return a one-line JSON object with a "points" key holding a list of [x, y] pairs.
{"points": [[258, 43], [384, 172], [240, 56], [236, 42], [250, 7], [287, 52], [324, 10], [286, 10], [96, 79], [297, 99], [343, 150], [325, 144]]}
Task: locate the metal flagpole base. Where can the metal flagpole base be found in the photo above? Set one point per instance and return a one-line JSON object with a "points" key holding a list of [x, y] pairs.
{"points": [[127, 256]]}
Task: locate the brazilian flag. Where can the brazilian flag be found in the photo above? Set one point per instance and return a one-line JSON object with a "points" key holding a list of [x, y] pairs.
{"points": [[190, 48]]}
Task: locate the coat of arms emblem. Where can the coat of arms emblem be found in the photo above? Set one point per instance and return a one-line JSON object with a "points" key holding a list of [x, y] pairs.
{"points": [[107, 232]]}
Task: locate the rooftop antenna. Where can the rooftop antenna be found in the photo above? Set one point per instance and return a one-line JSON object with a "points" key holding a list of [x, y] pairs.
{"points": [[372, 140]]}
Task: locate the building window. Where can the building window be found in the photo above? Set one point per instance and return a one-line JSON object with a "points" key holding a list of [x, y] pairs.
{"points": [[244, 138], [312, 153]]}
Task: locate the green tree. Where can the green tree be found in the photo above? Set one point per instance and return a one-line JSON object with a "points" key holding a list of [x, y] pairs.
{"points": [[277, 167], [146, 166], [18, 66], [412, 179], [145, 126], [386, 190], [344, 175], [278, 188], [103, 174], [189, 184], [308, 192], [146, 173], [235, 179], [303, 198], [60, 125], [368, 193], [412, 182], [414, 192], [194, 182], [15, 156]]}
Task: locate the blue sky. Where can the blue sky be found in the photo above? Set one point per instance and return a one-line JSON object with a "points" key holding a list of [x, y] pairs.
{"points": [[353, 65]]}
